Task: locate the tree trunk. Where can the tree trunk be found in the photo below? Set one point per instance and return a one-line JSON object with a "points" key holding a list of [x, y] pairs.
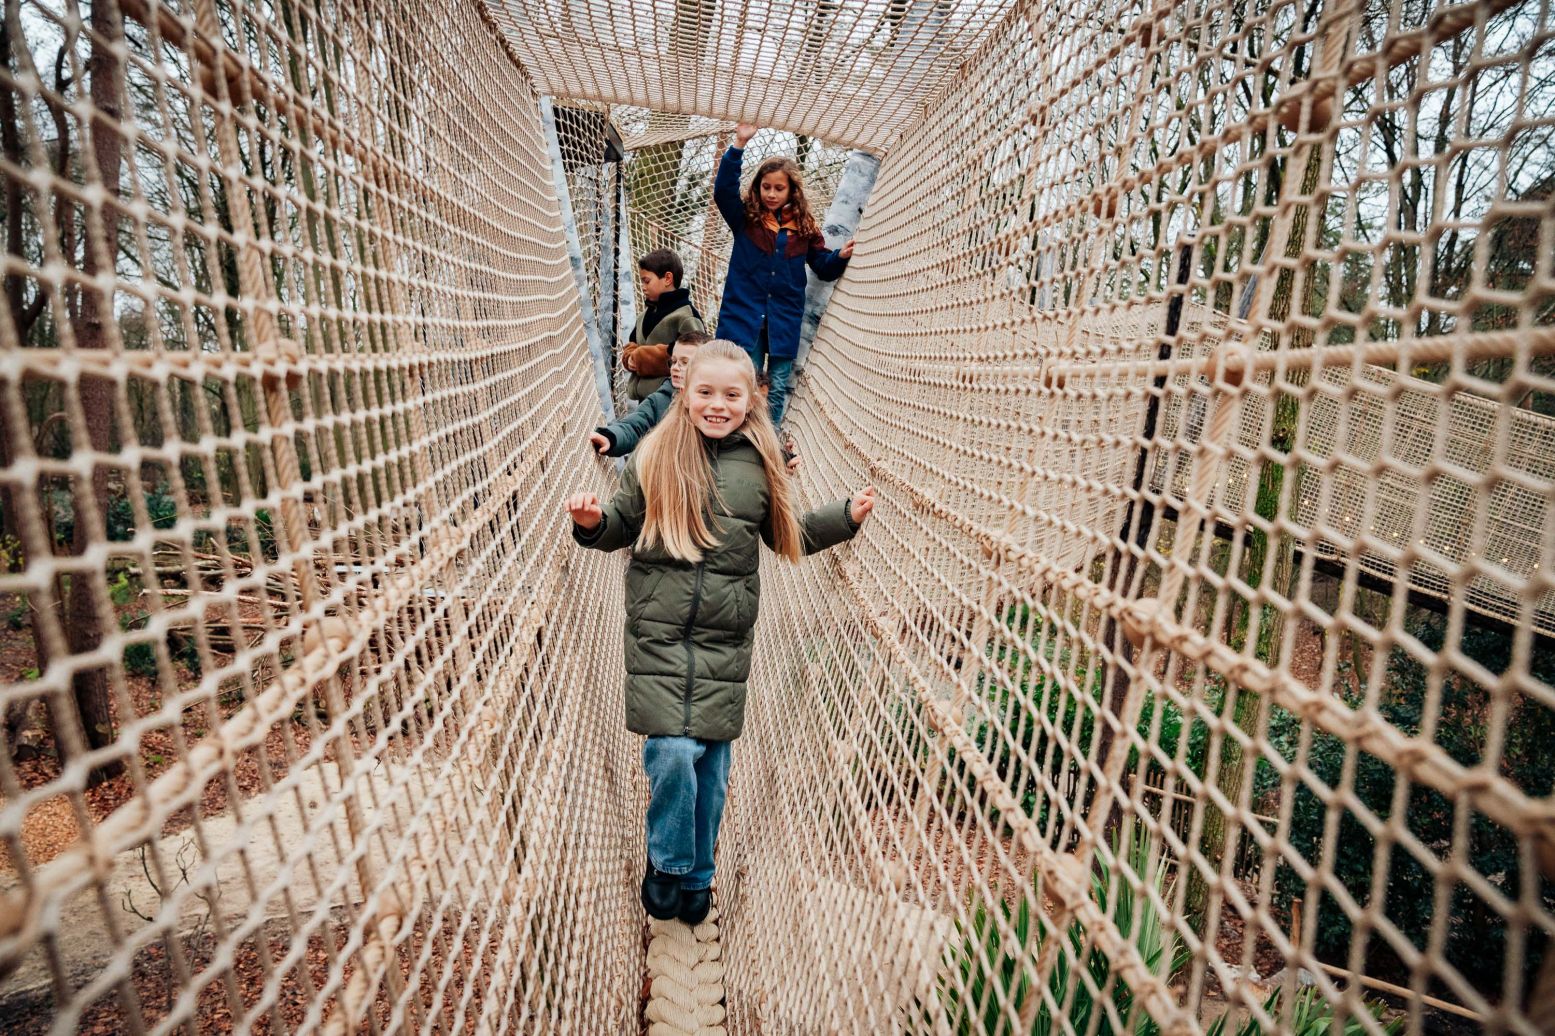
{"points": [[1246, 706], [85, 607], [840, 223], [15, 716]]}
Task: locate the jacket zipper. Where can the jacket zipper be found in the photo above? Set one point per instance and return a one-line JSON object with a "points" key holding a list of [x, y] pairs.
{"points": [[691, 654]]}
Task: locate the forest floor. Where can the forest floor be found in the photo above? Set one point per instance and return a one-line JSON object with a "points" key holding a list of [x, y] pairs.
{"points": [[51, 826]]}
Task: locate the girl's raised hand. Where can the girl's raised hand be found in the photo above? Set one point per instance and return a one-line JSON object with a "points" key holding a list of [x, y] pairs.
{"points": [[743, 133], [585, 511], [846, 251], [862, 503]]}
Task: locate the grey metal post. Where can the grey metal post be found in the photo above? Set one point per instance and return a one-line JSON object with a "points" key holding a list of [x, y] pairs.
{"points": [[609, 327], [626, 275], [575, 253], [842, 219]]}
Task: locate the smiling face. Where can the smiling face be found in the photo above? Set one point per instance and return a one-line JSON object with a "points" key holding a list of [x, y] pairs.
{"points": [[679, 361], [719, 397], [775, 190]]}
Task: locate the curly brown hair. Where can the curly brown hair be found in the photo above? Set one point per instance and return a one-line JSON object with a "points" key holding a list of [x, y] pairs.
{"points": [[797, 211]]}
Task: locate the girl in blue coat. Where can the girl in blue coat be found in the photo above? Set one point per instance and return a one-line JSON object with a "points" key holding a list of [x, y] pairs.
{"points": [[775, 236]]}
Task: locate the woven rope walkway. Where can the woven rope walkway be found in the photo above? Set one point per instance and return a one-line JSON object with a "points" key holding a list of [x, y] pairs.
{"points": [[1196, 663], [686, 973]]}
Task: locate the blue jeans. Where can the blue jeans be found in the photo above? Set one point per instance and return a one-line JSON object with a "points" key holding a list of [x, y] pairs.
{"points": [[780, 370], [687, 780]]}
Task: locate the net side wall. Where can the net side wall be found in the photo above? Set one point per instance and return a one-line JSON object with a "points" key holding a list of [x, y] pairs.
{"points": [[1084, 628], [295, 520]]}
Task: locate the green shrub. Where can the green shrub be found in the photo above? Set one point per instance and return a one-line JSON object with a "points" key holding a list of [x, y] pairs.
{"points": [[161, 508], [16, 617], [189, 655], [1019, 746], [120, 520], [991, 971], [1476, 933], [1025, 763], [140, 659], [264, 530], [1174, 727], [61, 516], [120, 588], [11, 554]]}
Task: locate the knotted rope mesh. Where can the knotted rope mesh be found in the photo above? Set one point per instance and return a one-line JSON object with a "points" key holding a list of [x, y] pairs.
{"points": [[664, 163], [1194, 669]]}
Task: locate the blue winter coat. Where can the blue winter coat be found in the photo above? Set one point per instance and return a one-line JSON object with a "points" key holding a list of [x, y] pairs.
{"points": [[766, 280]]}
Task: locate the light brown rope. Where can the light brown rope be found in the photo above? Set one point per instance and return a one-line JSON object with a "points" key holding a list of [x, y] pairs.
{"points": [[685, 976], [1201, 356]]}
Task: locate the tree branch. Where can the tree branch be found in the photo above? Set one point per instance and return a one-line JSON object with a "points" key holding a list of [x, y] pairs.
{"points": [[11, 141]]}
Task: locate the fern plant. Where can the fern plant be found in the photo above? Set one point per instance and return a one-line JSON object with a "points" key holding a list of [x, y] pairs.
{"points": [[989, 970], [988, 982]]}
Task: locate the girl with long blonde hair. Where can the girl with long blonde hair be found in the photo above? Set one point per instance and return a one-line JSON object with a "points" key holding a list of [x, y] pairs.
{"points": [[703, 491]]}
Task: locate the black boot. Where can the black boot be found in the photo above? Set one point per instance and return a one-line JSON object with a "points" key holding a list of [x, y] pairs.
{"points": [[694, 905], [661, 894]]}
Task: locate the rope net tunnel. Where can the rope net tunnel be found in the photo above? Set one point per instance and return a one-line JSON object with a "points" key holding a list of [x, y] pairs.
{"points": [[1193, 674]]}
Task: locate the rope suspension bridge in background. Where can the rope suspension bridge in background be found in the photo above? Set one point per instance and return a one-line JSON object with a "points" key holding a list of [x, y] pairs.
{"points": [[1194, 674]]}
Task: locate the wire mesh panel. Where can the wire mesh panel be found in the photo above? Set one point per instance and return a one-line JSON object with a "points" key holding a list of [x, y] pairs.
{"points": [[292, 379]]}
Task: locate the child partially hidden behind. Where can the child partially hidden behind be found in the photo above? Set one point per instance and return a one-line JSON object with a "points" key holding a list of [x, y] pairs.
{"points": [[667, 315], [619, 438], [705, 489]]}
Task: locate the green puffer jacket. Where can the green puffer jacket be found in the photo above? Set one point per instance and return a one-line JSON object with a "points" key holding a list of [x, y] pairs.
{"points": [[689, 628]]}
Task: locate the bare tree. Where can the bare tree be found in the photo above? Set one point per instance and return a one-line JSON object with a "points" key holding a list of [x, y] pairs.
{"points": [[90, 316], [26, 315]]}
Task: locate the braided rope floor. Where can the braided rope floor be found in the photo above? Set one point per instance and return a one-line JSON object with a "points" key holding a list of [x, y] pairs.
{"points": [[685, 972], [1194, 673]]}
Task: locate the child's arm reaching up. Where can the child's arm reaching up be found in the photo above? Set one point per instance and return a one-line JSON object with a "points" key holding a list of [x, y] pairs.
{"points": [[726, 185], [610, 526]]}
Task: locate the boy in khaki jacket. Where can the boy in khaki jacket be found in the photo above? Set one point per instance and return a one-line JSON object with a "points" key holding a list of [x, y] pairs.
{"points": [[667, 315]]}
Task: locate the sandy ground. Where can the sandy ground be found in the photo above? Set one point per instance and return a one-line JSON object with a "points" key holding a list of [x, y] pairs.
{"points": [[287, 859]]}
